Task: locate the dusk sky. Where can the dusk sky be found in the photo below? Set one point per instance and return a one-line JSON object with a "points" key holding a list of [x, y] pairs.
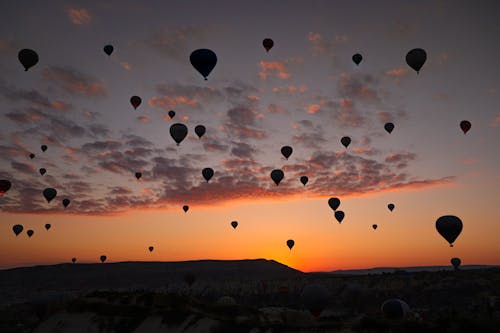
{"points": [[305, 92]]}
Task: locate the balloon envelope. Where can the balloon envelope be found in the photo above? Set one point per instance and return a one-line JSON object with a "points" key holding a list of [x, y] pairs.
{"points": [[103, 258], [465, 125], [290, 243], [43, 148], [171, 114], [207, 173], [304, 180], [151, 249], [30, 233], [135, 101], [339, 215], [234, 224], [66, 202], [108, 49], [185, 208], [17, 229], [374, 227], [395, 309], [73, 260], [334, 203], [32, 156], [49, 194], [416, 59], [268, 43], [345, 141], [455, 262], [391, 207], [47, 226], [4, 186], [138, 175], [286, 151], [449, 227], [389, 127], [28, 58], [42, 171], [204, 61], [315, 298], [277, 176], [357, 58], [200, 130], [178, 132]]}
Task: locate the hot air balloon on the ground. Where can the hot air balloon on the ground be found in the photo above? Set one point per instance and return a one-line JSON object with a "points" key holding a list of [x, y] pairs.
{"points": [[395, 309], [17, 229], [47, 226], [31, 155], [416, 59], [449, 227], [277, 176], [42, 171], [108, 49], [73, 260], [204, 61], [49, 194], [268, 43], [304, 180], [66, 202], [346, 141], [234, 224], [4, 186], [286, 151], [455, 262], [374, 226], [389, 127], [200, 130], [28, 58], [315, 298], [30, 233], [138, 175], [171, 114], [207, 173], [334, 203], [290, 243], [465, 125], [357, 58], [151, 248], [185, 208], [103, 258], [339, 215], [390, 206], [43, 148], [178, 132], [135, 101]]}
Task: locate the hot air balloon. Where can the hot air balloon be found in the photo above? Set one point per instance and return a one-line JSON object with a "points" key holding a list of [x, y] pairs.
{"points": [[304, 180], [389, 127], [315, 298], [108, 49], [32, 156], [138, 175], [465, 125], [185, 208], [391, 207], [4, 186], [290, 243], [151, 248], [374, 226], [47, 226], [30, 233], [416, 59], [234, 224], [357, 58], [449, 227], [42, 171], [277, 176], [73, 260], [268, 43], [456, 262], [339, 216], [28, 58], [286, 151], [207, 173], [200, 130], [334, 203], [203, 60], [345, 141], [135, 101], [66, 202], [178, 132], [103, 258], [395, 308], [171, 114], [17, 229], [43, 148], [49, 194]]}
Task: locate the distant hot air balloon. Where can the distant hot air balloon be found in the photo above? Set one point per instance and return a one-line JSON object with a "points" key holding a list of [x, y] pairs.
{"points": [[185, 208], [345, 141], [200, 130], [30, 233], [395, 309], [17, 229], [204, 61], [449, 227], [374, 226], [31, 155], [391, 207], [389, 127], [277, 176], [268, 43], [171, 114], [456, 262], [290, 243], [108, 49], [73, 260], [135, 101], [286, 151], [49, 194], [339, 215], [66, 202], [42, 171], [315, 298], [207, 173], [28, 58], [304, 180], [465, 125], [43, 148], [4, 186], [416, 59], [138, 175], [103, 258], [151, 248], [234, 224], [334, 203], [47, 226], [357, 58], [178, 132]]}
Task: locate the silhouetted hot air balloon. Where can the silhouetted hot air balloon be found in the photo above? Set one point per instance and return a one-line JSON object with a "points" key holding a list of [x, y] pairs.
{"points": [[42, 171], [178, 132], [416, 59], [108, 49], [334, 203], [268, 43], [49, 194], [47, 226], [30, 233], [339, 216], [66, 202], [207, 173], [395, 309], [449, 227], [203, 60], [304, 180], [171, 114], [185, 208], [151, 248], [17, 229], [315, 298], [138, 175], [103, 258], [43, 148], [31, 155], [28, 58], [374, 226], [465, 125], [234, 224], [73, 260], [389, 127], [286, 151], [456, 262], [391, 207], [135, 101], [357, 58], [277, 176], [200, 130], [290, 243], [4, 186], [345, 141]]}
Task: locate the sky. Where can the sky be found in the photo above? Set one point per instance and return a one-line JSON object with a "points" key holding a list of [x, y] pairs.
{"points": [[306, 92]]}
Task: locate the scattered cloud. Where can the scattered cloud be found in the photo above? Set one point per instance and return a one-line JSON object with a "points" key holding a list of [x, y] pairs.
{"points": [[277, 69], [79, 16], [74, 81]]}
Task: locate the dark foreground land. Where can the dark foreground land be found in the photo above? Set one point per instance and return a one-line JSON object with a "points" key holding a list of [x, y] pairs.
{"points": [[240, 296]]}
